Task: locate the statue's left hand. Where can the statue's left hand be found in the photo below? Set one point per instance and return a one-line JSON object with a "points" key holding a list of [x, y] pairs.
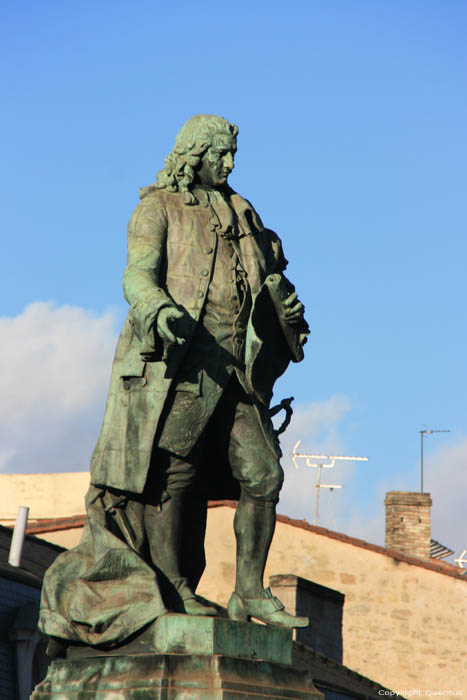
{"points": [[293, 309]]}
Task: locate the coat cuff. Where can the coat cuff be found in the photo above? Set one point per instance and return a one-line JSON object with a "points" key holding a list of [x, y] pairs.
{"points": [[144, 318]]}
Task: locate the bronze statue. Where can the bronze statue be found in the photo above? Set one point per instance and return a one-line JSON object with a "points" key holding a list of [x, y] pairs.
{"points": [[213, 322]]}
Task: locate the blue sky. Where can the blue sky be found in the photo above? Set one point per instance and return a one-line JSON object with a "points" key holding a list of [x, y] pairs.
{"points": [[352, 146]]}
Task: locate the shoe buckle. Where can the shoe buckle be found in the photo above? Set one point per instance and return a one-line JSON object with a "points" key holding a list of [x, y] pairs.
{"points": [[278, 604]]}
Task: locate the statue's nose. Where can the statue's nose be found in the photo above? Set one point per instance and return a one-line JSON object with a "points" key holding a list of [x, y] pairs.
{"points": [[228, 161]]}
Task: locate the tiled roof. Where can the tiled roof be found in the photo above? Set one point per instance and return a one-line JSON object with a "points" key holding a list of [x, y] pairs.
{"points": [[76, 521], [433, 565], [36, 527], [37, 556]]}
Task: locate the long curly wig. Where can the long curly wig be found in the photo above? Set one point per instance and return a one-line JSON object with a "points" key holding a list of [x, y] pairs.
{"points": [[192, 142]]}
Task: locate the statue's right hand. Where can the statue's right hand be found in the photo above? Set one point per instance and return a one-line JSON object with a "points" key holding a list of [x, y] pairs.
{"points": [[165, 318]]}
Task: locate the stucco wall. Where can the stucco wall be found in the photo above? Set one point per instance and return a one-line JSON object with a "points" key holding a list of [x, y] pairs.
{"points": [[64, 538], [46, 495], [402, 625]]}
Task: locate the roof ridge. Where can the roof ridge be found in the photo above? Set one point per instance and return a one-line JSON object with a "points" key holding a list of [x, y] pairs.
{"points": [[75, 521], [356, 542]]}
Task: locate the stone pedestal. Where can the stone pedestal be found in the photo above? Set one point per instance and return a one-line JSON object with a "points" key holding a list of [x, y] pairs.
{"points": [[180, 657]]}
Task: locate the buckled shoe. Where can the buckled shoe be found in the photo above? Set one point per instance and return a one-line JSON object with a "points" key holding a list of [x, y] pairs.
{"points": [[268, 609]]}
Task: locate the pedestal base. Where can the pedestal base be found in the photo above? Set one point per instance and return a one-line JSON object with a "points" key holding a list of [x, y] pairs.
{"points": [[182, 657], [173, 677]]}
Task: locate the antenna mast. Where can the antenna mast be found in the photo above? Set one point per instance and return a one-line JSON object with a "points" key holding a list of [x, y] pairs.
{"points": [[422, 435]]}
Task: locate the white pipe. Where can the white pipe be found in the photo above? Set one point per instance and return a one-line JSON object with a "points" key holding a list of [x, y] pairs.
{"points": [[19, 532]]}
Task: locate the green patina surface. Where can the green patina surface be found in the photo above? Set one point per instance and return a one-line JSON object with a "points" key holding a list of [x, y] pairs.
{"points": [[174, 677], [188, 634], [213, 322]]}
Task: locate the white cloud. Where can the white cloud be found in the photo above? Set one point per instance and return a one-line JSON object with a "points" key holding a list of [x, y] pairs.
{"points": [[445, 478], [317, 425], [56, 366], [366, 520]]}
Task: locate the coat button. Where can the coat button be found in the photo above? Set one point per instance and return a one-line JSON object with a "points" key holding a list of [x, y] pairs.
{"points": [[144, 381], [200, 295], [209, 250], [205, 273]]}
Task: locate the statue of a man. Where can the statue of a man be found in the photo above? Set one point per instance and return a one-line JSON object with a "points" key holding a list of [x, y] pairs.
{"points": [[187, 415]]}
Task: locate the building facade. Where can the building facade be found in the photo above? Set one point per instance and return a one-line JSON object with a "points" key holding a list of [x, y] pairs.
{"points": [[400, 614]]}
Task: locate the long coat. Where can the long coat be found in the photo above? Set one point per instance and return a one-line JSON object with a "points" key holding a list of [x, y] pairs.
{"points": [[171, 249]]}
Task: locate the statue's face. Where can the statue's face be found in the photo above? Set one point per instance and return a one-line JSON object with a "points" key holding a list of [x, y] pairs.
{"points": [[218, 161]]}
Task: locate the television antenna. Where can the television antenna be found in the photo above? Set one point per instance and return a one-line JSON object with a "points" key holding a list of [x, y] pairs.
{"points": [[461, 559], [321, 465]]}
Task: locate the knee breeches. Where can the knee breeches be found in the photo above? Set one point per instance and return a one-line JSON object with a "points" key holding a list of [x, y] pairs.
{"points": [[243, 432]]}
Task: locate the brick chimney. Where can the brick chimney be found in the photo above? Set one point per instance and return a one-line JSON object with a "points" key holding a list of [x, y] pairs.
{"points": [[408, 528]]}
